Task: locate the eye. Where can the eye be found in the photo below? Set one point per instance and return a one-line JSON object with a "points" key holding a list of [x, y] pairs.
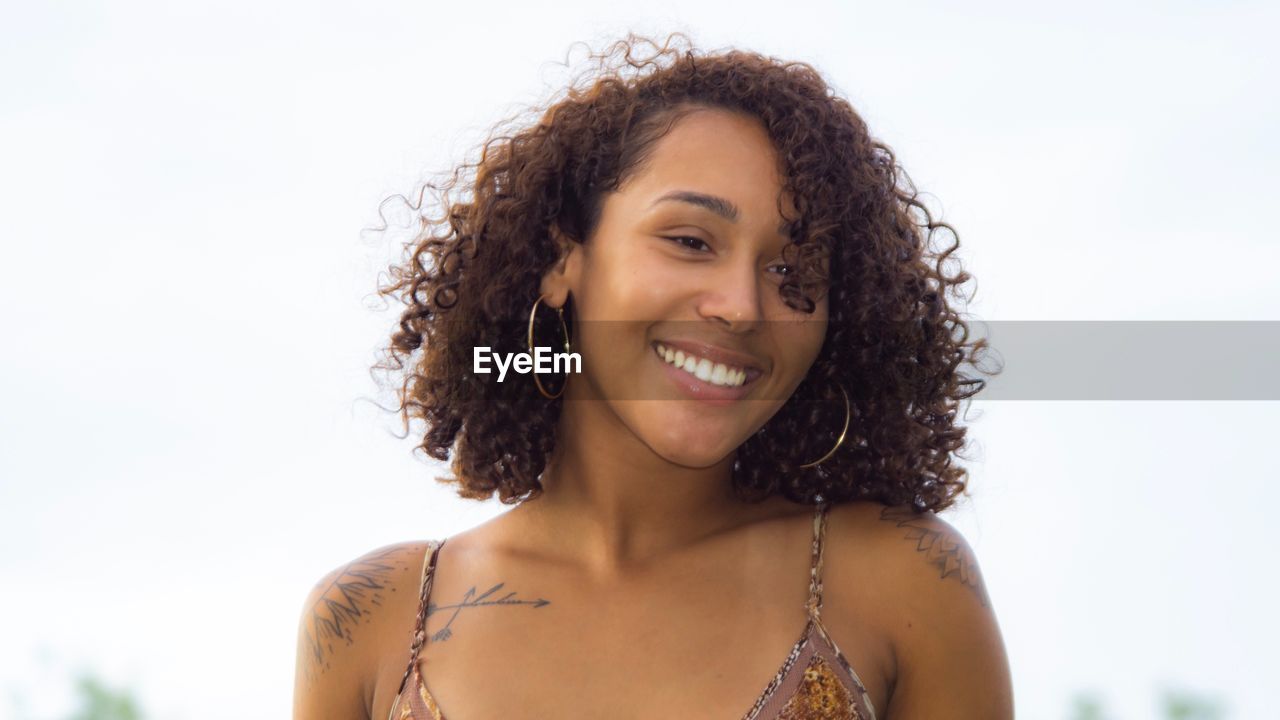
{"points": [[679, 238], [789, 270]]}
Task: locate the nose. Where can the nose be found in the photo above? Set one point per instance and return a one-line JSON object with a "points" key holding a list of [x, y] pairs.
{"points": [[733, 297]]}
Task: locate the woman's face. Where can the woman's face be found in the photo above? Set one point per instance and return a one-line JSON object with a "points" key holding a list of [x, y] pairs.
{"points": [[687, 256]]}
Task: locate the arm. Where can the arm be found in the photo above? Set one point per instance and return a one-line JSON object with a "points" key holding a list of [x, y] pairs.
{"points": [[950, 655], [343, 628]]}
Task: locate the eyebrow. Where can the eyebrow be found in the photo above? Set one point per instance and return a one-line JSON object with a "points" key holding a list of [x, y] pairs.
{"points": [[716, 204]]}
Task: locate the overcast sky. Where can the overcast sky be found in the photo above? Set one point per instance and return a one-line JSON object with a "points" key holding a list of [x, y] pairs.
{"points": [[187, 441]]}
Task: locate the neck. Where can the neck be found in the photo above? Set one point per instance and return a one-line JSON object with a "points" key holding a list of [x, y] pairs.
{"points": [[610, 503]]}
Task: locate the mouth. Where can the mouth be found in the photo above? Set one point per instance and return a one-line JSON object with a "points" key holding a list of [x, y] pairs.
{"points": [[704, 378]]}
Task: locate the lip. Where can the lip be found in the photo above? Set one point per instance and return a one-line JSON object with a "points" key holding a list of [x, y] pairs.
{"points": [[705, 391], [717, 354]]}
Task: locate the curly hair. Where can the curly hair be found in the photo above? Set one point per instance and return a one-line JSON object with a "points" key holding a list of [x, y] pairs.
{"points": [[893, 340]]}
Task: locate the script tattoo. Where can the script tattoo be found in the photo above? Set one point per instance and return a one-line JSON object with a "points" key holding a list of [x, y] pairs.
{"points": [[941, 547], [345, 599], [470, 599]]}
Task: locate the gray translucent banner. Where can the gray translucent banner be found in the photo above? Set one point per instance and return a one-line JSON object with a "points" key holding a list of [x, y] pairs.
{"points": [[1022, 360], [1132, 360]]}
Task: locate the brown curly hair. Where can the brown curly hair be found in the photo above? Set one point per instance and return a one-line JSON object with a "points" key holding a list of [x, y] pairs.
{"points": [[893, 341]]}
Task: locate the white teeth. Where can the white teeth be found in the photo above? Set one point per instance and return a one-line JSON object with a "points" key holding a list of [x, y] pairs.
{"points": [[718, 374], [704, 369]]}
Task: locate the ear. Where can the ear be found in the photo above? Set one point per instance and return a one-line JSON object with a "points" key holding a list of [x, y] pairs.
{"points": [[563, 277]]}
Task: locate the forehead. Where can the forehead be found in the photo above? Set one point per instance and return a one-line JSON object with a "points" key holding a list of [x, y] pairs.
{"points": [[716, 152]]}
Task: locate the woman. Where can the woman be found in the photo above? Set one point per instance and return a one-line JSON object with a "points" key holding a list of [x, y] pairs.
{"points": [[730, 510]]}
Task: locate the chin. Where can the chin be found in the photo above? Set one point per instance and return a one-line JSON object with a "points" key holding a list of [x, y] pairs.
{"points": [[697, 461], [693, 450]]}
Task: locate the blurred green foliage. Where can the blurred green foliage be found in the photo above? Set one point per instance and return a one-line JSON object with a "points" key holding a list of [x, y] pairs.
{"points": [[1174, 705], [99, 702], [94, 700], [1181, 705], [1087, 706]]}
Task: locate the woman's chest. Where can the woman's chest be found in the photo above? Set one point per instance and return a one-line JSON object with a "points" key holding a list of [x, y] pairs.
{"points": [[681, 644]]}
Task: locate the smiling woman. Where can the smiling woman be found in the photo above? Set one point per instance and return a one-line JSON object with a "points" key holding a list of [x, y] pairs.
{"points": [[757, 444]]}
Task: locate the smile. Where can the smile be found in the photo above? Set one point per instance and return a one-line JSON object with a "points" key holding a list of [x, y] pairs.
{"points": [[702, 368]]}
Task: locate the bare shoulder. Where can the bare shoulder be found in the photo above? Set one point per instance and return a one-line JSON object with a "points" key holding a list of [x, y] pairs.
{"points": [[948, 651], [348, 623], [920, 550]]}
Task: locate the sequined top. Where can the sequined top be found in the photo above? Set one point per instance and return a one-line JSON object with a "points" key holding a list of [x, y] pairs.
{"points": [[815, 681]]}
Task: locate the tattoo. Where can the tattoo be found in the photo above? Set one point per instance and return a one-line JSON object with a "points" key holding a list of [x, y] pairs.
{"points": [[348, 598], [941, 547], [471, 600]]}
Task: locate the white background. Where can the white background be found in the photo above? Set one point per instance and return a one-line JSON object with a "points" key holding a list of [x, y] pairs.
{"points": [[187, 316]]}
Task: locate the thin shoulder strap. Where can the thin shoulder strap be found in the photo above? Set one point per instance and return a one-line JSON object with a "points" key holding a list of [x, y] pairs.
{"points": [[815, 566], [420, 625]]}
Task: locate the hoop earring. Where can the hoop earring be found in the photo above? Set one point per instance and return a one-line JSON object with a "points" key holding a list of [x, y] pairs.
{"points": [[843, 432], [529, 342]]}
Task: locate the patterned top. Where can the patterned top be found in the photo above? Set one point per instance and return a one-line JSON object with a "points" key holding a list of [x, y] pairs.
{"points": [[815, 681]]}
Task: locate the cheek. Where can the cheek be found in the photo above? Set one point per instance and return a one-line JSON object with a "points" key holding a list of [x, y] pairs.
{"points": [[819, 323], [621, 285], [615, 303], [803, 340]]}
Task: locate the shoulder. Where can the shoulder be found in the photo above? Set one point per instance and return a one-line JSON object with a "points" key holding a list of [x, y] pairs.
{"points": [[936, 611], [351, 621], [918, 551]]}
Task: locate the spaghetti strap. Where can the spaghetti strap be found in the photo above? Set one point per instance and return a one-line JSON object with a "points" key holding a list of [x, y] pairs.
{"points": [[420, 624], [814, 604]]}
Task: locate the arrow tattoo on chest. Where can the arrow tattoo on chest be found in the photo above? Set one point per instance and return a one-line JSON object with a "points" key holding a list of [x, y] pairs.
{"points": [[470, 599]]}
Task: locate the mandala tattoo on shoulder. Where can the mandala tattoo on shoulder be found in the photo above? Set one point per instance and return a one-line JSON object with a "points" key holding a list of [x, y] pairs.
{"points": [[942, 547], [346, 599]]}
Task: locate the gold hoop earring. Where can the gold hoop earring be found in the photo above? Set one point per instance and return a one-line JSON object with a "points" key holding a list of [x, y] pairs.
{"points": [[843, 432], [529, 342]]}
